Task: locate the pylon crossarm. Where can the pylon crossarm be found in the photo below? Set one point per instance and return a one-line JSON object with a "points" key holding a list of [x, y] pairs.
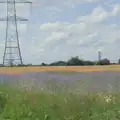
{"points": [[11, 59], [11, 2], [11, 18]]}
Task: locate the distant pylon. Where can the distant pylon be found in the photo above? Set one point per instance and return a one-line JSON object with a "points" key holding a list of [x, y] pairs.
{"points": [[12, 54], [99, 56]]}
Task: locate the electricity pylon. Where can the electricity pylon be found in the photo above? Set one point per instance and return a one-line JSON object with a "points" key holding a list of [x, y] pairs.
{"points": [[99, 56], [12, 54]]}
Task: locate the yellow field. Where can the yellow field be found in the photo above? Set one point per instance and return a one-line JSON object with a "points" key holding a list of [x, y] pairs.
{"points": [[21, 70]]}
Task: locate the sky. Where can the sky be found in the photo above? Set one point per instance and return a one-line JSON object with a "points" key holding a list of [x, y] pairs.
{"points": [[60, 29]]}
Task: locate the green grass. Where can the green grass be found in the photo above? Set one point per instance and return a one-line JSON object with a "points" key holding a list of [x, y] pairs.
{"points": [[30, 105]]}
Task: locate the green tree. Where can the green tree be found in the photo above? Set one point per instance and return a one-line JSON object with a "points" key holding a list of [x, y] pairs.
{"points": [[89, 63], [43, 64], [75, 61], [58, 63], [119, 61], [104, 62]]}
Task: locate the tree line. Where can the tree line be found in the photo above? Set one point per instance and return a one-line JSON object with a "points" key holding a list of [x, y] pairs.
{"points": [[76, 61]]}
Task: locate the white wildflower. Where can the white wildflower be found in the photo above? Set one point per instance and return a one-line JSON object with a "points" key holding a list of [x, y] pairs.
{"points": [[108, 99]]}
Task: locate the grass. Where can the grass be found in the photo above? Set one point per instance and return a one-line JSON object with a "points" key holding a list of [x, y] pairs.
{"points": [[56, 101], [21, 70], [29, 105]]}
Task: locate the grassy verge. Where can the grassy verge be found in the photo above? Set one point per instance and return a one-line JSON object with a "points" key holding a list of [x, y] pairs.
{"points": [[29, 105]]}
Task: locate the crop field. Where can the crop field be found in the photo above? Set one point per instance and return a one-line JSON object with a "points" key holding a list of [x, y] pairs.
{"points": [[21, 70], [60, 93]]}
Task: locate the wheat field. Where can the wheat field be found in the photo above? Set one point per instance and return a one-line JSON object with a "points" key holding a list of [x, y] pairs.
{"points": [[21, 70]]}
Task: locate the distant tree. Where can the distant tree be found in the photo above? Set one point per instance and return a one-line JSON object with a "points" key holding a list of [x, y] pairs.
{"points": [[89, 63], [58, 63], [1, 65], [75, 61], [43, 64], [19, 65], [119, 61], [11, 63], [104, 62], [30, 64]]}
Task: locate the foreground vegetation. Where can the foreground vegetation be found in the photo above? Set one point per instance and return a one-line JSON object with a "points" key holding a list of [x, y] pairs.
{"points": [[28, 105]]}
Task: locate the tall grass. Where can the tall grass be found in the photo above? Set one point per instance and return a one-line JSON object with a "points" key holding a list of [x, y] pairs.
{"points": [[30, 105]]}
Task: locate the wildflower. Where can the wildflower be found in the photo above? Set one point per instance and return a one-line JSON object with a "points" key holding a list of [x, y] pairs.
{"points": [[108, 98], [41, 88]]}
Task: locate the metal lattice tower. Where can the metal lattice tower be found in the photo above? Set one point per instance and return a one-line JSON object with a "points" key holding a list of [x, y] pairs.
{"points": [[99, 56], [12, 54]]}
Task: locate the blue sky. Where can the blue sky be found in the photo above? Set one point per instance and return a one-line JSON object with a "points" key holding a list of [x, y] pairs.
{"points": [[58, 30]]}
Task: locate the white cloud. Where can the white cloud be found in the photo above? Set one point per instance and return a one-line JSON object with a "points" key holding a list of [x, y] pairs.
{"points": [[116, 10], [64, 40], [82, 38], [99, 14]]}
